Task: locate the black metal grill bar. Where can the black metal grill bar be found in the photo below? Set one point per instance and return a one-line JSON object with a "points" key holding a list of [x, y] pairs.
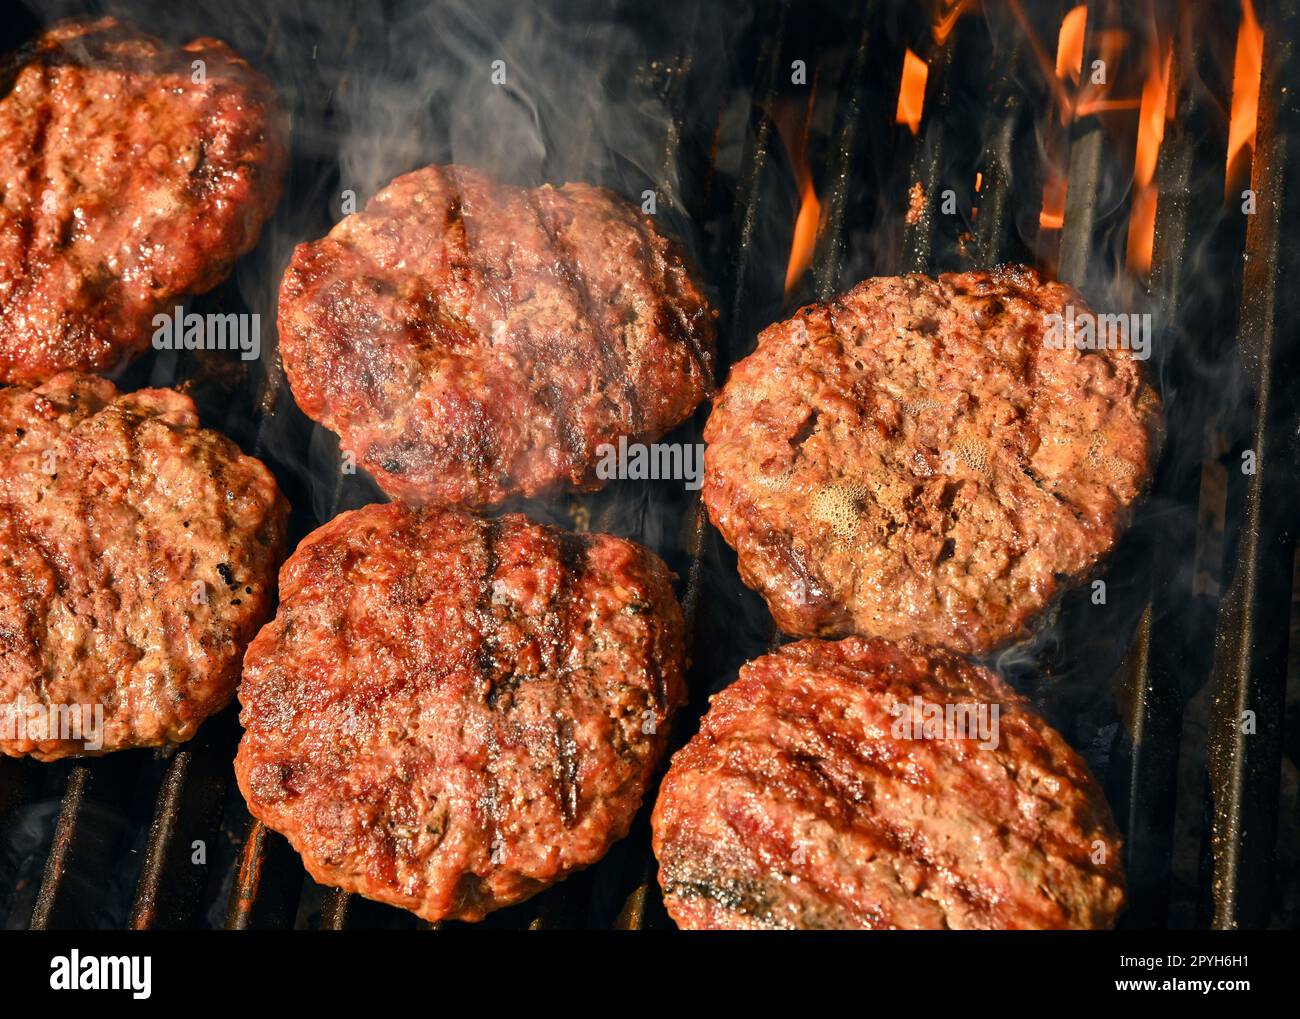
{"points": [[996, 236], [1098, 157], [994, 226], [91, 839], [1252, 638], [56, 861], [633, 915], [181, 845], [1149, 681], [248, 879], [950, 155], [1169, 656], [334, 917], [746, 207], [830, 243], [162, 831], [929, 161], [267, 882]]}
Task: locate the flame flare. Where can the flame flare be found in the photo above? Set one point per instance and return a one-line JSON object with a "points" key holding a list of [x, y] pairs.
{"points": [[1245, 89], [793, 129], [1069, 44], [1151, 132], [1052, 216], [911, 91], [944, 26], [805, 231], [1069, 64]]}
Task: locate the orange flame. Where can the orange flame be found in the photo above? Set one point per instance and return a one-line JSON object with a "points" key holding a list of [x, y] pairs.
{"points": [[1245, 87], [1069, 64], [911, 91], [1054, 190], [792, 126], [943, 27], [805, 234], [1069, 44], [1091, 106], [1093, 99], [805, 230], [1151, 132]]}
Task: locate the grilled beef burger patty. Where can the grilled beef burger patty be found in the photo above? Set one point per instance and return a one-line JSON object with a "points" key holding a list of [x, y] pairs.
{"points": [[124, 183], [801, 803], [470, 341], [137, 559], [449, 713], [913, 459]]}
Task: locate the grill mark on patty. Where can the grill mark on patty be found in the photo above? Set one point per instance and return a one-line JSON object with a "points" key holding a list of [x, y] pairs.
{"points": [[142, 540], [455, 211], [898, 841], [566, 267], [38, 625], [675, 325], [551, 397], [901, 839], [490, 531], [566, 754], [456, 235], [573, 570], [505, 687], [487, 634], [35, 174], [1038, 484], [556, 632], [652, 667], [795, 566], [736, 893], [548, 396]]}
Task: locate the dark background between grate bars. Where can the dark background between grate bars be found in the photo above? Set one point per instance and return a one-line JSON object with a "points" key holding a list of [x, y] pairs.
{"points": [[696, 102]]}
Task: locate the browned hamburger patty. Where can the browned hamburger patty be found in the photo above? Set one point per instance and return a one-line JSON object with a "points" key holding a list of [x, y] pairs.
{"points": [[448, 713], [137, 559], [124, 183], [469, 341], [912, 460], [802, 804]]}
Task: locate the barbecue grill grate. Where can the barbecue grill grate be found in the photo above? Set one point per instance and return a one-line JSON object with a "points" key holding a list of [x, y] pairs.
{"points": [[130, 822]]}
